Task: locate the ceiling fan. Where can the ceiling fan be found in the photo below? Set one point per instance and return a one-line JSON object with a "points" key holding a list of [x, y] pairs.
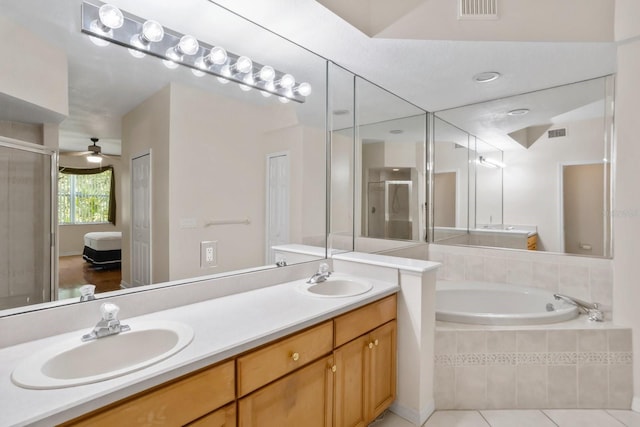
{"points": [[94, 152]]}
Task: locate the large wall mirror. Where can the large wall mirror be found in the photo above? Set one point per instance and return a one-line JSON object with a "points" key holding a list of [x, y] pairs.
{"points": [[221, 164], [378, 166], [529, 172]]}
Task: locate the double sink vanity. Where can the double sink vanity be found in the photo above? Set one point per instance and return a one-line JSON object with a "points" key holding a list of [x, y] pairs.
{"points": [[293, 353]]}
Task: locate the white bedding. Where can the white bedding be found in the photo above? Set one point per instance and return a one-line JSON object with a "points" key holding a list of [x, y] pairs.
{"points": [[103, 240]]}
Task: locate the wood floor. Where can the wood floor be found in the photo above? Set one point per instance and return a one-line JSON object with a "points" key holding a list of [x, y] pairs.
{"points": [[75, 272]]}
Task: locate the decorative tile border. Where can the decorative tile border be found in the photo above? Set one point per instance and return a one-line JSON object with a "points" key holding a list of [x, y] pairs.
{"points": [[536, 359]]}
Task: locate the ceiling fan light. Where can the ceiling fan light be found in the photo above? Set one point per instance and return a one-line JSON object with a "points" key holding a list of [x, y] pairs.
{"points": [[94, 158]]}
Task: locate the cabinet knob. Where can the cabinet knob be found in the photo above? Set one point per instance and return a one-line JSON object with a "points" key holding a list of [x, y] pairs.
{"points": [[376, 342], [370, 345], [295, 357], [334, 368]]}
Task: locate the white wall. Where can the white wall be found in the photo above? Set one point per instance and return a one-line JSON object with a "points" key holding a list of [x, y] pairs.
{"points": [[532, 178], [626, 294]]}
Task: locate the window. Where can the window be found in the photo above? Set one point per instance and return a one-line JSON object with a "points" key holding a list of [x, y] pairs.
{"points": [[86, 196]]}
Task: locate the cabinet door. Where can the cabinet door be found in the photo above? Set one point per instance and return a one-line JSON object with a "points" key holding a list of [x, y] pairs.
{"points": [[381, 382], [349, 399], [223, 417], [301, 399]]}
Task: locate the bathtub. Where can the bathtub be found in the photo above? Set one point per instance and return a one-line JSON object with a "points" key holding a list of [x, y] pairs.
{"points": [[485, 303]]}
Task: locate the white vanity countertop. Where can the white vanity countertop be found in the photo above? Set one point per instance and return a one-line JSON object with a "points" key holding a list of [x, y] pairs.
{"points": [[223, 327]]}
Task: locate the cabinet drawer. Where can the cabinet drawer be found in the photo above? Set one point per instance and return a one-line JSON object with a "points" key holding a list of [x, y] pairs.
{"points": [[275, 360], [176, 403], [360, 321], [223, 417]]}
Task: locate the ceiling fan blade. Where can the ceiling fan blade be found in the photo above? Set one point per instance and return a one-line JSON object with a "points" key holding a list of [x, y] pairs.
{"points": [[74, 153]]}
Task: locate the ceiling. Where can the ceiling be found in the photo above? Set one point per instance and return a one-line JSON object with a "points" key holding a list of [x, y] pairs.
{"points": [[432, 74]]}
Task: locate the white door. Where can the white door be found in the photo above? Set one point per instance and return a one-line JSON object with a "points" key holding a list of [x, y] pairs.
{"points": [[141, 220], [277, 203]]}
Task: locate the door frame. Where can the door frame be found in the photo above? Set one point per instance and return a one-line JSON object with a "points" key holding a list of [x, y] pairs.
{"points": [[560, 196], [149, 153], [268, 158]]}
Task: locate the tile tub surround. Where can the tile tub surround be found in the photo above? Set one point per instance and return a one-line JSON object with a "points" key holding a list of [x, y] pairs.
{"points": [[589, 279], [543, 368]]}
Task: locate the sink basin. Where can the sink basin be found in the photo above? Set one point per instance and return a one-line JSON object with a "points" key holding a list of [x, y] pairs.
{"points": [[338, 287], [73, 362]]}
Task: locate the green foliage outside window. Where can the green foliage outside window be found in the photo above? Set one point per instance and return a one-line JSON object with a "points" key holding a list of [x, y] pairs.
{"points": [[84, 199]]}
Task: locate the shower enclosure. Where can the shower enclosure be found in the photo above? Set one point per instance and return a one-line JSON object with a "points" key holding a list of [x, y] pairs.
{"points": [[27, 223]]}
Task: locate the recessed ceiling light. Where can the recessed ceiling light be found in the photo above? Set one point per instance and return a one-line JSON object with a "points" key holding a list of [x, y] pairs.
{"points": [[486, 77], [395, 170], [340, 112], [396, 131], [518, 112]]}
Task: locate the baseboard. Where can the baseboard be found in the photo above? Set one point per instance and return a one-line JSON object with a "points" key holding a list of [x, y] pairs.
{"points": [[412, 415], [635, 404], [74, 253]]}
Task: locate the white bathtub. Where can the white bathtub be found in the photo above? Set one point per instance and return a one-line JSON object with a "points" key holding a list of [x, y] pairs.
{"points": [[485, 303]]}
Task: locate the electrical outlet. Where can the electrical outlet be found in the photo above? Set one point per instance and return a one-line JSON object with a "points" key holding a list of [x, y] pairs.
{"points": [[209, 254]]}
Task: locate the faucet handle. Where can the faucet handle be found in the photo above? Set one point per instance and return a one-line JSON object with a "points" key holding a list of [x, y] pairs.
{"points": [[87, 292], [109, 311], [323, 268]]}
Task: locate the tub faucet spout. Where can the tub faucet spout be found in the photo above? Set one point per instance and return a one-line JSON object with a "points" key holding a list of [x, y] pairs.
{"points": [[591, 309]]}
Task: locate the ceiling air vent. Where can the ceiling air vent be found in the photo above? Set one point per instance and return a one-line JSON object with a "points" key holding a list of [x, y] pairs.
{"points": [[557, 133], [478, 9]]}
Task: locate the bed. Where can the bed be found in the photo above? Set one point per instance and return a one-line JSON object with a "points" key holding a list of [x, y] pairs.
{"points": [[103, 249]]}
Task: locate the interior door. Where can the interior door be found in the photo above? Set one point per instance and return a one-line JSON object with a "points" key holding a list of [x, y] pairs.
{"points": [[141, 220], [444, 199], [277, 203], [583, 197]]}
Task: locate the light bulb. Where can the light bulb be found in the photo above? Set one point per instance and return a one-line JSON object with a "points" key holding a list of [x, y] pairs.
{"points": [[152, 32], [110, 16], [188, 45], [92, 158], [243, 64], [97, 28], [283, 99], [265, 94], [267, 73], [136, 53], [244, 87], [304, 89], [217, 56], [226, 72], [197, 73], [172, 56], [287, 81]]}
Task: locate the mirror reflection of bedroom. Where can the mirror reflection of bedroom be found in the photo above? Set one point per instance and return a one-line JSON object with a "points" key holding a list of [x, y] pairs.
{"points": [[90, 239]]}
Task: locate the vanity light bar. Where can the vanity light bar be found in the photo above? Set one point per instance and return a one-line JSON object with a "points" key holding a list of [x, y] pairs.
{"points": [[180, 49], [490, 163]]}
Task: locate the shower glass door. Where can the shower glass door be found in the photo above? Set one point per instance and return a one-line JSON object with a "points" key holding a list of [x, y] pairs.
{"points": [[26, 224]]}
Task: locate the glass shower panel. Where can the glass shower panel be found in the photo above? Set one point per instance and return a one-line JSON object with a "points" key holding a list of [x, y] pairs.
{"points": [[26, 261]]}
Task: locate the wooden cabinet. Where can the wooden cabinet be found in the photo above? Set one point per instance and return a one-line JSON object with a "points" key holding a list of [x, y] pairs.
{"points": [[340, 373], [223, 417], [302, 398], [174, 404], [532, 242], [260, 367], [365, 378]]}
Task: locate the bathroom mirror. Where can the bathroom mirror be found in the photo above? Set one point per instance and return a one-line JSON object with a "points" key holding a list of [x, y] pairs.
{"points": [[378, 165], [537, 170], [228, 166]]}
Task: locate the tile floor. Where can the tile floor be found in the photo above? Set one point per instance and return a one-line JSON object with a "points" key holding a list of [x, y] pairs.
{"points": [[521, 418]]}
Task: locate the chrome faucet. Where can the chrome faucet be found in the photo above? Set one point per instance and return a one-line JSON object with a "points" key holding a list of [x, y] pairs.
{"points": [[109, 325], [87, 293], [322, 274], [591, 309]]}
